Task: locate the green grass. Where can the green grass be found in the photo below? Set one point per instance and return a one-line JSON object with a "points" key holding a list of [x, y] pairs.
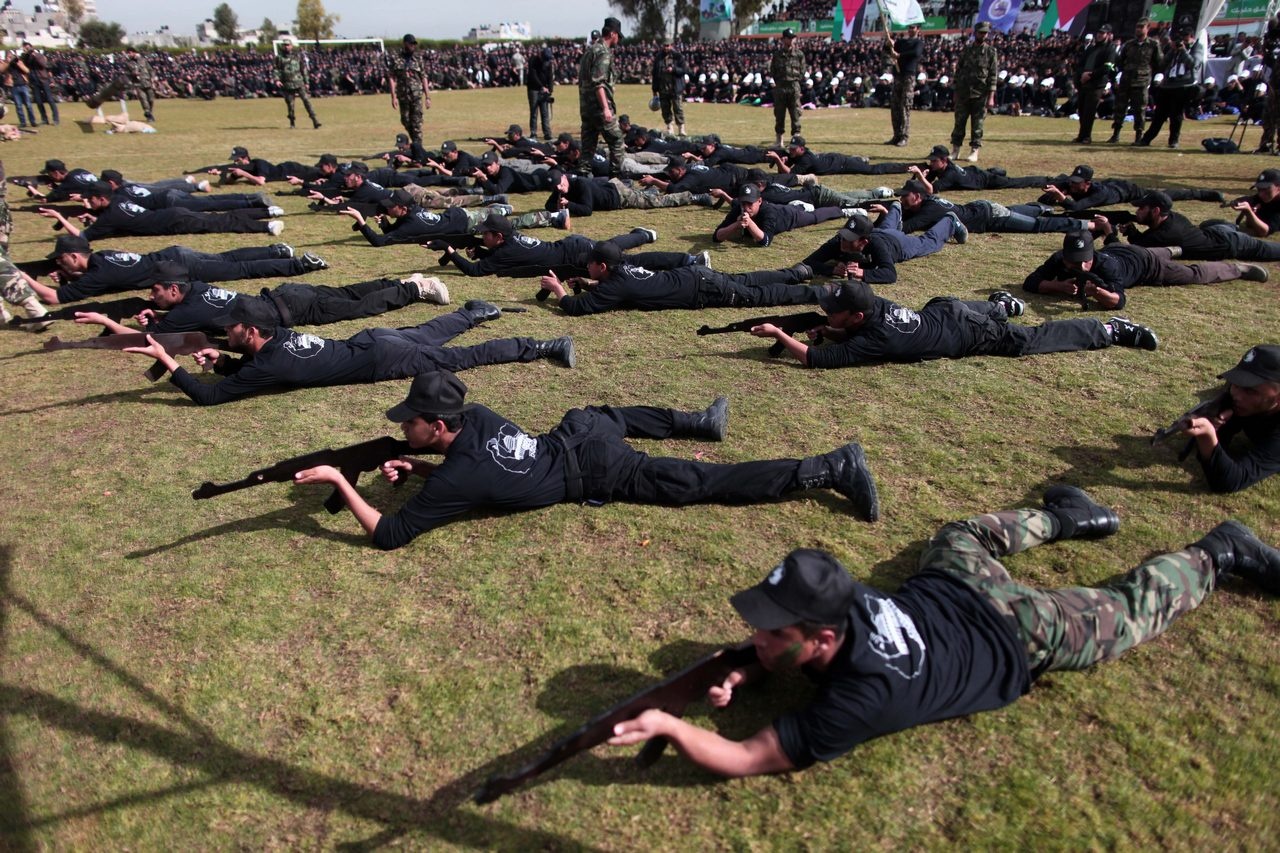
{"points": [[248, 672]]}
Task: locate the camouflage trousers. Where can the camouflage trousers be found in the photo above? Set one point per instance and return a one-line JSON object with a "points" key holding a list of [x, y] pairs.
{"points": [[1130, 98], [411, 114], [6, 221], [634, 199], [1270, 117], [535, 219], [672, 108], [786, 101], [13, 287], [1071, 627], [904, 92], [437, 200], [969, 110], [289, 95], [593, 127], [146, 99]]}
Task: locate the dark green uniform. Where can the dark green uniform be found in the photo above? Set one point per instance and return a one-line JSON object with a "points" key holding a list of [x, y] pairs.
{"points": [[595, 72], [407, 71], [976, 75], [787, 71], [291, 72], [139, 78], [1138, 63]]}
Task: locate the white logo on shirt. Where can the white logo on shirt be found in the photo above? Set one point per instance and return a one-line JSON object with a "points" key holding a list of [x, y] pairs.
{"points": [[219, 298], [527, 241], [130, 207], [304, 346], [513, 450], [903, 320], [137, 192], [427, 217], [896, 638], [122, 259]]}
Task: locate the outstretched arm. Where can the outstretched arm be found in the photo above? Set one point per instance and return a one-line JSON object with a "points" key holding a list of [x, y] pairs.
{"points": [[760, 753]]}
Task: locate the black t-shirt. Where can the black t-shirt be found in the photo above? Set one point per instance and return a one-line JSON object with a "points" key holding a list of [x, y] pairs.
{"points": [[125, 218], [933, 650], [944, 328], [198, 309], [772, 219], [523, 256], [1257, 460], [586, 194], [419, 226], [492, 463], [508, 180], [1101, 193], [1177, 230], [636, 287], [703, 179], [830, 163], [111, 271], [77, 181], [1119, 265]]}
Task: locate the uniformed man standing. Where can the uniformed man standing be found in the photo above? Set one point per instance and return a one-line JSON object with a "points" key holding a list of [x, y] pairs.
{"points": [[291, 74], [410, 87], [905, 52], [787, 70], [1097, 67], [976, 76], [139, 77], [1139, 59], [595, 98], [669, 71]]}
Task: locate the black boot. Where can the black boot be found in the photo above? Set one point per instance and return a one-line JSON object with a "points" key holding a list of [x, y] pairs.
{"points": [[802, 272], [1210, 195], [710, 423], [480, 311], [1235, 549], [844, 470], [1079, 517], [560, 349]]}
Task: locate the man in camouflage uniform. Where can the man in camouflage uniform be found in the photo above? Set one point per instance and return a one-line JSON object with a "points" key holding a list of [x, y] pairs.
{"points": [[291, 74], [1139, 59], [595, 98], [787, 70], [958, 637], [976, 75], [139, 78], [13, 285], [1271, 107], [905, 53], [410, 86]]}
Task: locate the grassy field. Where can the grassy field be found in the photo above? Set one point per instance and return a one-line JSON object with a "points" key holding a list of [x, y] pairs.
{"points": [[248, 672]]}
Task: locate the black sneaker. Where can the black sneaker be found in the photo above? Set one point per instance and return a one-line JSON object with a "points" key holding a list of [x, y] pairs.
{"points": [[803, 272], [958, 232], [1013, 306], [282, 250], [1252, 272], [1079, 516], [312, 262], [1127, 334], [1235, 549]]}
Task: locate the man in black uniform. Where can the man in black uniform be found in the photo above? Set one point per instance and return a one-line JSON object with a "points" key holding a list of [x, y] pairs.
{"points": [[404, 221], [757, 221], [713, 152], [84, 273], [258, 171], [682, 176], [619, 286], [959, 637], [867, 329], [1097, 69], [153, 198], [491, 463], [1254, 410], [493, 178], [124, 218], [1259, 214], [905, 51], [942, 174], [871, 252], [922, 210], [194, 306], [507, 252], [581, 195], [1080, 192], [1208, 242], [63, 182], [1118, 266], [801, 161], [276, 357]]}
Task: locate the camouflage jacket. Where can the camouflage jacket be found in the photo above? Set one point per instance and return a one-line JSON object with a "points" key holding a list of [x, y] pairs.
{"points": [[1138, 61], [977, 71], [291, 71], [788, 66], [137, 70], [407, 71], [595, 70]]}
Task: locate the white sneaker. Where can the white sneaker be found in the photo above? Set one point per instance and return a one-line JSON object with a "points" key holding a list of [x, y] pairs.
{"points": [[203, 186], [850, 212], [275, 211], [955, 152], [275, 227], [703, 259], [430, 289], [882, 192], [649, 232], [803, 205], [973, 156]]}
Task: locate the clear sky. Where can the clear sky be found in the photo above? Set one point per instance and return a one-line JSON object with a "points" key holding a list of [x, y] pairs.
{"points": [[389, 18]]}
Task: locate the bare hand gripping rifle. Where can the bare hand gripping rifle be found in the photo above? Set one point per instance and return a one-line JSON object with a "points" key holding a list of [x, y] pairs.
{"points": [[351, 461], [789, 323], [174, 343], [670, 695], [1210, 409]]}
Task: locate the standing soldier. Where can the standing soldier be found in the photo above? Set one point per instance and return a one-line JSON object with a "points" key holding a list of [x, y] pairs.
{"points": [[787, 70], [140, 79], [976, 76], [906, 53], [595, 98], [410, 88], [1097, 68], [291, 74], [13, 284], [1271, 109], [1139, 59], [668, 84]]}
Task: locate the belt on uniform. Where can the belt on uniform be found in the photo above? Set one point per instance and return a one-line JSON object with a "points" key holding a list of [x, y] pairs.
{"points": [[286, 318], [572, 470]]}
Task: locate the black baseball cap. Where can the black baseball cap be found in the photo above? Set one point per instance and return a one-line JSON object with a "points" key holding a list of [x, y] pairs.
{"points": [[850, 295], [497, 224], [856, 228], [327, 160], [68, 244], [797, 141], [939, 152], [489, 158], [1105, 28], [1080, 174], [448, 146], [1260, 364], [250, 310], [788, 33], [1155, 198], [402, 139], [398, 198], [553, 177], [100, 189], [748, 193], [53, 166], [808, 586], [711, 139], [436, 393], [914, 186], [1077, 247], [1268, 178], [239, 151], [515, 128], [605, 253], [409, 38]]}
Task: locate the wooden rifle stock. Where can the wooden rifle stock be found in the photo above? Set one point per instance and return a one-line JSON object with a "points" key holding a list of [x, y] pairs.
{"points": [[352, 461], [789, 323], [174, 343], [671, 695]]}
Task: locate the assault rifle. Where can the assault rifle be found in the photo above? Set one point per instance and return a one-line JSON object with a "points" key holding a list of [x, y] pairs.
{"points": [[118, 309], [1084, 277], [670, 695], [352, 461], [174, 343], [1210, 409], [789, 323]]}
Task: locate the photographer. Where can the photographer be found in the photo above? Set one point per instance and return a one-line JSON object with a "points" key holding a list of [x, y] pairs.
{"points": [[40, 77], [540, 82]]}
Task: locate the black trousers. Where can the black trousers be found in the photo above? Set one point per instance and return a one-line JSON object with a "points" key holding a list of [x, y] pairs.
{"points": [[754, 289], [1170, 104], [1000, 337], [249, 262], [316, 305], [401, 353]]}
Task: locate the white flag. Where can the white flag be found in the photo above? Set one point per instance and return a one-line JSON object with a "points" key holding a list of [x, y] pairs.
{"points": [[902, 12]]}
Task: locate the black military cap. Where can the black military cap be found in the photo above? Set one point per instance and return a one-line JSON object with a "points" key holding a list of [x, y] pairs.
{"points": [[239, 151], [1080, 174], [711, 139], [624, 119], [99, 189], [327, 160], [352, 168], [788, 33], [515, 128], [446, 147], [112, 175], [983, 27], [398, 198], [605, 253], [553, 177], [68, 244], [489, 158], [1260, 364], [939, 152], [1155, 198], [250, 311], [168, 272], [808, 586], [53, 166], [676, 163], [1105, 28], [1268, 178], [852, 295], [1077, 247], [856, 228], [748, 193], [497, 224], [914, 186], [612, 25], [402, 139], [436, 393], [565, 137], [797, 141], [409, 38], [595, 34]]}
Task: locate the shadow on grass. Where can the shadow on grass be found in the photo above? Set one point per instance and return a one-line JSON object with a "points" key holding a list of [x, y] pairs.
{"points": [[1124, 465], [193, 745], [160, 394], [300, 519]]}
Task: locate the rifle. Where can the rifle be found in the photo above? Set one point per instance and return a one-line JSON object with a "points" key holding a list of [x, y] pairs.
{"points": [[118, 309], [789, 323], [71, 211], [670, 695], [175, 343], [351, 461], [1209, 408], [1084, 277], [543, 294]]}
